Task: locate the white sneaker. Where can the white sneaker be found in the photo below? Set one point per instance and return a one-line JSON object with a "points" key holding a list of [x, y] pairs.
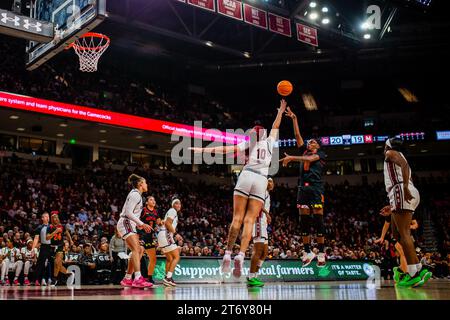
{"points": [[226, 263], [44, 283], [307, 258], [238, 264], [321, 260]]}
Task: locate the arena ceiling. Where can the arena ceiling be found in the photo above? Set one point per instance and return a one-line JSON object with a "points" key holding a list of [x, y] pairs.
{"points": [[169, 28]]}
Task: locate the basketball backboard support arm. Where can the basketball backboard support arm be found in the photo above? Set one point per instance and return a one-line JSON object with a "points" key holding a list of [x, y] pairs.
{"points": [[75, 18], [16, 25]]}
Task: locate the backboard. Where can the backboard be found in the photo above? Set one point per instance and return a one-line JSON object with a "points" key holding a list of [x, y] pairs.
{"points": [[71, 19]]}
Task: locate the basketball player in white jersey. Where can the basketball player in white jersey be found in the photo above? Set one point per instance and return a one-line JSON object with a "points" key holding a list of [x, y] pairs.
{"points": [[126, 226], [260, 240], [250, 189], [11, 261], [404, 198], [166, 241], [29, 256]]}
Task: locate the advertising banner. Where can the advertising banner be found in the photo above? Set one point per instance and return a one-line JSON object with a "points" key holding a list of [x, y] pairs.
{"points": [[208, 270], [26, 103]]}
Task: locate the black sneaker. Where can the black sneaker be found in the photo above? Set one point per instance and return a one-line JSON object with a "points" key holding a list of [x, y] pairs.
{"points": [[54, 282], [169, 282]]}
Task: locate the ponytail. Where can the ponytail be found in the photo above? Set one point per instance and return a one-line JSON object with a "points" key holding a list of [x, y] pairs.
{"points": [[134, 180]]}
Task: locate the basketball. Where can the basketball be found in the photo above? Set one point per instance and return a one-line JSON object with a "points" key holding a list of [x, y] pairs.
{"points": [[285, 88]]}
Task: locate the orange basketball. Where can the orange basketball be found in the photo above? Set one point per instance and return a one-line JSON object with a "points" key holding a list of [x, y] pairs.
{"points": [[285, 88]]}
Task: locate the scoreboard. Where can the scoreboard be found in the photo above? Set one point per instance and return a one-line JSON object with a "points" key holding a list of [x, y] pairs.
{"points": [[348, 139]]}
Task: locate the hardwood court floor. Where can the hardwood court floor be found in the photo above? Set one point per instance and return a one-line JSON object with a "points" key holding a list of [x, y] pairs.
{"points": [[435, 289]]}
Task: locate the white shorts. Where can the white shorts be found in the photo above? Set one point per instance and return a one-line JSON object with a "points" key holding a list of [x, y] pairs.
{"points": [[397, 198], [166, 242], [126, 227], [12, 266], [260, 234], [251, 185]]}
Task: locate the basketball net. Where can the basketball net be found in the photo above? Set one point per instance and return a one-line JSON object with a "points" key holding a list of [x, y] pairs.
{"points": [[89, 49]]}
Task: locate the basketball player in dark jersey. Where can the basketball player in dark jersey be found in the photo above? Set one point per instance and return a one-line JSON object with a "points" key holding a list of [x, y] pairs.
{"points": [[57, 243], [310, 197], [150, 217]]}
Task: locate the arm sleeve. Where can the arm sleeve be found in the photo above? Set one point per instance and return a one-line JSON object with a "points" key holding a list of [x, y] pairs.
{"points": [[130, 205]]}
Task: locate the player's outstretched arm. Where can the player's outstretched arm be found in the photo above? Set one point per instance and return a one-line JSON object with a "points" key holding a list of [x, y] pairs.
{"points": [[220, 149], [298, 136], [277, 122], [287, 159]]}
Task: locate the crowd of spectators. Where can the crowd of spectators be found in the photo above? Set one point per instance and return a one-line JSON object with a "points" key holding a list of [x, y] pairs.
{"points": [[90, 200]]}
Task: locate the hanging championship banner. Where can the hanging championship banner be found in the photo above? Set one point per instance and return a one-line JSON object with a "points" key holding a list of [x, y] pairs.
{"points": [[255, 16], [204, 4], [280, 25], [307, 35], [230, 8]]}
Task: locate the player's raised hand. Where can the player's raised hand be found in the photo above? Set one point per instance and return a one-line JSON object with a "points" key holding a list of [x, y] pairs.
{"points": [[290, 114], [287, 158], [283, 105]]}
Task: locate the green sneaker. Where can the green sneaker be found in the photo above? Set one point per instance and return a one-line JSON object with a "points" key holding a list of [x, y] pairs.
{"points": [[398, 274], [423, 272], [254, 282], [408, 281], [426, 275]]}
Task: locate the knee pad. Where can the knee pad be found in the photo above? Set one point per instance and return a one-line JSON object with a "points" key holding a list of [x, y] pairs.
{"points": [[320, 228], [305, 224]]}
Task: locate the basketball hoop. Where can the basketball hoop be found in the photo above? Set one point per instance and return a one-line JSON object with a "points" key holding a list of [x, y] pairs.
{"points": [[89, 48]]}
